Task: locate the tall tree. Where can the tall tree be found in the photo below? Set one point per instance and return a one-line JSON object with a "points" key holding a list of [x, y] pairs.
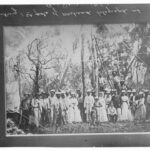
{"points": [[41, 60], [82, 64]]}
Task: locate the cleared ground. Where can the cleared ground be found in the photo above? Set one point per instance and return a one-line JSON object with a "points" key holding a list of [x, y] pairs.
{"points": [[122, 127]]}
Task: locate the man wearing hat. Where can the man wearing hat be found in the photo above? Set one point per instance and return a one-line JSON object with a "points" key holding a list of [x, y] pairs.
{"points": [[58, 111], [43, 107], [88, 104], [107, 98], [80, 103], [36, 117], [129, 93], [113, 99], [116, 100], [133, 102], [24, 107], [96, 111], [53, 103], [64, 107]]}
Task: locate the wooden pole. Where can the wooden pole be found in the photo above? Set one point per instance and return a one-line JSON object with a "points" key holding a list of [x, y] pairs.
{"points": [[82, 64]]}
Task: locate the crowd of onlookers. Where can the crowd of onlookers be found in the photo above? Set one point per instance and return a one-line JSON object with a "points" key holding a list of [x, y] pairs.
{"points": [[58, 108]]}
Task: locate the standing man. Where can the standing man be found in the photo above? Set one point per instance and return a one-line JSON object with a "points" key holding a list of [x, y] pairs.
{"points": [[53, 103], [25, 111], [36, 111], [67, 101], [80, 104], [133, 102], [113, 99], [58, 112], [64, 107], [107, 98], [96, 111], [88, 104]]}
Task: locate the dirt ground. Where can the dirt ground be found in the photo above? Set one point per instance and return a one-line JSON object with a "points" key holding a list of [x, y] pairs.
{"points": [[123, 127]]}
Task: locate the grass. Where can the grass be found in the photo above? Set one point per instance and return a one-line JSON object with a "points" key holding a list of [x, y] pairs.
{"points": [[123, 127]]}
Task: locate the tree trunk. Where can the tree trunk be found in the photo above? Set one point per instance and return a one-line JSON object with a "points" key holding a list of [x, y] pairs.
{"points": [[36, 84], [19, 84], [93, 75], [64, 73], [82, 64], [19, 78], [96, 72], [137, 80]]}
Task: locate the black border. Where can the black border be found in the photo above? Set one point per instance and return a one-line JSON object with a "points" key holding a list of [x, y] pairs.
{"points": [[14, 19]]}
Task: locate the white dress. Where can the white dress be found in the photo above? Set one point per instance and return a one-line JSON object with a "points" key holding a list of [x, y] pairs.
{"points": [[124, 108], [140, 113], [70, 111], [36, 111], [54, 105], [88, 104], [77, 116], [103, 113]]}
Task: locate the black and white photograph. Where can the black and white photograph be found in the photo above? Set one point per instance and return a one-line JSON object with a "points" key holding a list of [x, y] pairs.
{"points": [[76, 79], [75, 75]]}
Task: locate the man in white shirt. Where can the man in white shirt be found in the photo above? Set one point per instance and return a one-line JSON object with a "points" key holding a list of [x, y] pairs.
{"points": [[64, 107], [88, 104], [53, 103]]}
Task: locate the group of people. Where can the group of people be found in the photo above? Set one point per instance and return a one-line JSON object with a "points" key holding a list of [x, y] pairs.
{"points": [[128, 105], [54, 109], [62, 107]]}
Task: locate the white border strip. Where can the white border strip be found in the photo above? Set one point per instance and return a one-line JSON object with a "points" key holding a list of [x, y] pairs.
{"points": [[81, 134]]}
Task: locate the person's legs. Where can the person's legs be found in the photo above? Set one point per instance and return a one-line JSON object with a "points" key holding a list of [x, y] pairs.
{"points": [[108, 116], [111, 118], [55, 116], [114, 118]]}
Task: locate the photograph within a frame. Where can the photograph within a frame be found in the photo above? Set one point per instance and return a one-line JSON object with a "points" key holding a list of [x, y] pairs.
{"points": [[71, 79]]}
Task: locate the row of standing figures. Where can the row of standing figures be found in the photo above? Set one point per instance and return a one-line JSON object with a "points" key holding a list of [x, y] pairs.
{"points": [[61, 108]]}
